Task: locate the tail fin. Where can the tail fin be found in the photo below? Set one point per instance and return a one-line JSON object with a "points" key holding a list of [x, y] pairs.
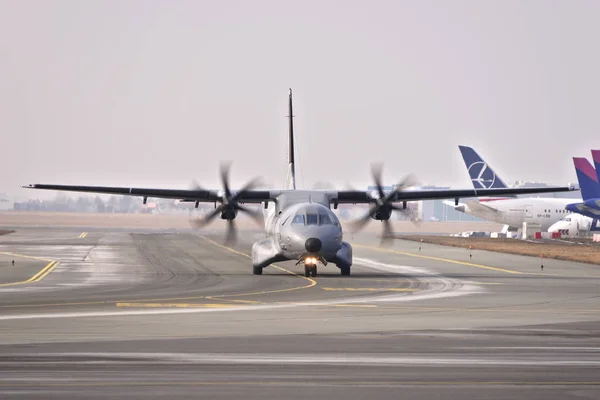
{"points": [[596, 158], [291, 178], [482, 175], [587, 177]]}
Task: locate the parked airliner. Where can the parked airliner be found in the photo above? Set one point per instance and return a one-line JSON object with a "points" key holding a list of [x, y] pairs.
{"points": [[510, 211], [585, 214]]}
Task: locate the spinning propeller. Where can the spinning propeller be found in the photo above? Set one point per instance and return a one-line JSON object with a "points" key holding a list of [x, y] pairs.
{"points": [[229, 206], [382, 208]]}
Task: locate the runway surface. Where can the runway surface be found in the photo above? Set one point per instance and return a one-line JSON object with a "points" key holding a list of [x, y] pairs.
{"points": [[147, 315]]}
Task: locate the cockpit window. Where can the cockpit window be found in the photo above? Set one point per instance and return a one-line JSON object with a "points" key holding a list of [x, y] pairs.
{"points": [[568, 219], [311, 219], [324, 219], [336, 222], [314, 219], [298, 219]]}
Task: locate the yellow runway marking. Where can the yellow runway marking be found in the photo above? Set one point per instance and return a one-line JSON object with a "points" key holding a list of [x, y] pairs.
{"points": [[311, 283], [77, 303], [468, 264], [37, 277], [83, 235], [226, 297], [372, 289], [234, 300], [176, 305]]}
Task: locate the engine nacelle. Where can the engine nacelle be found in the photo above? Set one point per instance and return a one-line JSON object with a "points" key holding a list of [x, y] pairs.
{"points": [[229, 213], [383, 213]]}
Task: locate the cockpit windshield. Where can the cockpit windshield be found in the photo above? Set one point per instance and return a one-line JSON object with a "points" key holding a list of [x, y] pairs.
{"points": [[567, 219], [324, 219], [311, 219]]}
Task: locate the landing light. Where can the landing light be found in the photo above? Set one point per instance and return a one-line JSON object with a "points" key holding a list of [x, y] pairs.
{"points": [[310, 260]]}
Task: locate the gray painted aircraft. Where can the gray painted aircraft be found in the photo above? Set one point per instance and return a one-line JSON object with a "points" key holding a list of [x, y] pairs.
{"points": [[300, 224]]}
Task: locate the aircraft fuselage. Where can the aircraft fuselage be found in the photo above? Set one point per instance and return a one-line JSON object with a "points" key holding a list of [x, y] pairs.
{"points": [[301, 226], [513, 212]]}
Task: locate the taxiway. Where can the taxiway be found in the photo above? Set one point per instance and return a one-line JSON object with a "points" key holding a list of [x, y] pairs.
{"points": [[114, 314]]}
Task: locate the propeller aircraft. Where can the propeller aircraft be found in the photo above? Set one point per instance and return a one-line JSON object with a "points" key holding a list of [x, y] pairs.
{"points": [[300, 224]]}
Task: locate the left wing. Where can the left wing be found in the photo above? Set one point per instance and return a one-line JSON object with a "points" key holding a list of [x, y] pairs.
{"points": [[193, 195]]}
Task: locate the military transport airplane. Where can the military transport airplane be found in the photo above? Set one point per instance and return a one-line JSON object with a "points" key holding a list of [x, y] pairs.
{"points": [[300, 224]]}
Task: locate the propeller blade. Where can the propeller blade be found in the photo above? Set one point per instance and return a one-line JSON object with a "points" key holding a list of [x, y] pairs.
{"points": [[407, 213], [376, 170], [384, 202], [386, 235], [231, 235], [257, 216], [255, 182], [359, 224], [348, 186], [229, 201], [202, 222], [195, 185], [408, 181], [225, 166]]}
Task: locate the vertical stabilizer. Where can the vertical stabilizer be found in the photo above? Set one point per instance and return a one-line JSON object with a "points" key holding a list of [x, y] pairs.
{"points": [[596, 158], [482, 175], [291, 171], [588, 180]]}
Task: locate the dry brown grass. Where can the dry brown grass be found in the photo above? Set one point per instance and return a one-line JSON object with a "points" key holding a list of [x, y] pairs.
{"points": [[560, 251]]}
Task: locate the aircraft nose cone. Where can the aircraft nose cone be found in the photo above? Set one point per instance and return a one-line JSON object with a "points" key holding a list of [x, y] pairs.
{"points": [[313, 245]]}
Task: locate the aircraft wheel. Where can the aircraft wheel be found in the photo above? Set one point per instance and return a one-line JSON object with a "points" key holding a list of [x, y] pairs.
{"points": [[345, 271], [257, 270], [314, 271], [306, 271]]}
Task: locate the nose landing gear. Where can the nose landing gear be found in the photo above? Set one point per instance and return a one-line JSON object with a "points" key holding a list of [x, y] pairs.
{"points": [[310, 270], [310, 264]]}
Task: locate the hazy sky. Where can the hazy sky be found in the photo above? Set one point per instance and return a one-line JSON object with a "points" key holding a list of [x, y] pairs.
{"points": [[156, 93]]}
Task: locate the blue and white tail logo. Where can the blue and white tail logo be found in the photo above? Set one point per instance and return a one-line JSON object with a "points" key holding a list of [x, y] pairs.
{"points": [[482, 175]]}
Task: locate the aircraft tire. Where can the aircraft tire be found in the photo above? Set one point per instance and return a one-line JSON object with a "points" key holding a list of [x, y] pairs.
{"points": [[306, 271], [314, 271], [345, 271], [257, 270]]}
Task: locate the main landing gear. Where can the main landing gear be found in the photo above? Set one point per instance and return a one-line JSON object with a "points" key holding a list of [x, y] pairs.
{"points": [[257, 270], [310, 270]]}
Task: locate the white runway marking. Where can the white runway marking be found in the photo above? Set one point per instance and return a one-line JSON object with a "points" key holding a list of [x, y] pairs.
{"points": [[288, 359], [437, 286]]}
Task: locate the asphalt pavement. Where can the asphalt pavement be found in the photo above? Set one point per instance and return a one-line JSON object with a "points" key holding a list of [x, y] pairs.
{"points": [[99, 314]]}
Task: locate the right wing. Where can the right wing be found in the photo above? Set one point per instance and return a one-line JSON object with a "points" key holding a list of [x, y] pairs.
{"points": [[359, 196]]}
